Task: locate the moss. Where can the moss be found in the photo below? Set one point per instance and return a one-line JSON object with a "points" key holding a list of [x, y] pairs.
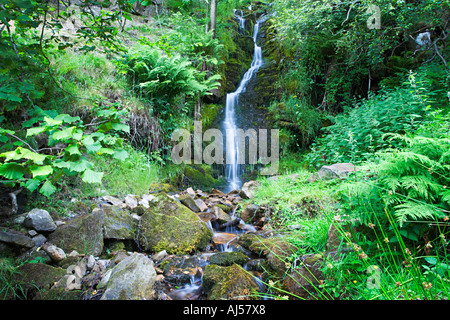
{"points": [[169, 225], [199, 177], [228, 258], [228, 283]]}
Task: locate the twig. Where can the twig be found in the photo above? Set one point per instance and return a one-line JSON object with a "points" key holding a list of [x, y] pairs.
{"points": [[14, 136]]}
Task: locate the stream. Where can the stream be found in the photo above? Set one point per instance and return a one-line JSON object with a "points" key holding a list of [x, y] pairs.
{"points": [[233, 171]]}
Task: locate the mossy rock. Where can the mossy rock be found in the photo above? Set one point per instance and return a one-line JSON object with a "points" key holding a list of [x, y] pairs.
{"points": [[229, 283], [31, 278], [83, 234], [199, 177], [169, 225], [228, 258]]}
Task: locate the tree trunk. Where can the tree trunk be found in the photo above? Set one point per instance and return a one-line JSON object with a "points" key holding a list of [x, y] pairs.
{"points": [[213, 16]]}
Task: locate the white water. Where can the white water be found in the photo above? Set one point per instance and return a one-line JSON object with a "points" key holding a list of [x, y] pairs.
{"points": [[232, 101]]}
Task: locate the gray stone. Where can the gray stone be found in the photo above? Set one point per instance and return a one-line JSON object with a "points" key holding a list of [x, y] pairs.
{"points": [[55, 253], [248, 189], [118, 224], [39, 220], [39, 240], [131, 201], [334, 171], [132, 279], [16, 238]]}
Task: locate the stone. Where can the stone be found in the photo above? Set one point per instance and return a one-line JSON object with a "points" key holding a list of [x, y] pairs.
{"points": [[118, 224], [171, 226], [132, 279], [16, 238], [83, 234], [114, 201], [189, 202], [334, 171], [228, 258], [90, 262], [221, 216], [222, 238], [229, 283], [248, 189], [39, 240], [55, 253], [131, 201], [249, 213], [160, 255], [201, 205], [304, 280], [39, 220], [190, 192]]}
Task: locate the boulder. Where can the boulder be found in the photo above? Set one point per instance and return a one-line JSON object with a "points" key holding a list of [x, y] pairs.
{"points": [[118, 224], [337, 170], [39, 220], [189, 202], [132, 279], [220, 215], [248, 189], [228, 258], [131, 201], [171, 226], [83, 234], [16, 238], [229, 283], [201, 205]]}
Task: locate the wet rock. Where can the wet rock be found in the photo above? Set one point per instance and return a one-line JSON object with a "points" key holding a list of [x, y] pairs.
{"points": [[171, 226], [249, 213], [16, 238], [132, 279], [228, 258], [83, 234], [220, 215], [222, 238], [131, 201], [39, 220], [201, 205], [228, 283]]}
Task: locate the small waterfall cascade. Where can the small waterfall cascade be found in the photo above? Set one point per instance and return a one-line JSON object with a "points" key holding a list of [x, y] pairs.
{"points": [[232, 169]]}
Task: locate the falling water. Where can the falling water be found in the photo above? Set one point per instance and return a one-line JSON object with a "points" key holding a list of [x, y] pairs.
{"points": [[232, 101]]}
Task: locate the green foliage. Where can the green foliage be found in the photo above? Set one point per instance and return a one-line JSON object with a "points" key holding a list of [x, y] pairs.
{"points": [[356, 136], [67, 140], [297, 117]]}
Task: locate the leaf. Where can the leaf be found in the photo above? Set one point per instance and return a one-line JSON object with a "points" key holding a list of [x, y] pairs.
{"points": [[12, 171], [47, 189], [36, 130], [120, 155], [73, 149], [80, 165], [41, 171], [105, 150], [121, 127], [32, 184], [63, 134], [37, 158], [90, 176]]}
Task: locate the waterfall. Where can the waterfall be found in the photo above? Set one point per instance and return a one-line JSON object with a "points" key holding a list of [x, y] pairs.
{"points": [[232, 101]]}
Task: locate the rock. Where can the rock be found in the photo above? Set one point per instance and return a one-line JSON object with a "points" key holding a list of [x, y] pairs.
{"points": [[16, 238], [39, 240], [228, 258], [83, 234], [190, 192], [171, 226], [131, 201], [220, 215], [249, 214], [337, 170], [114, 201], [90, 262], [303, 281], [39, 220], [228, 283], [222, 238], [55, 253], [180, 269], [189, 202], [160, 255], [145, 200], [118, 224], [132, 279], [248, 189], [201, 205], [33, 279]]}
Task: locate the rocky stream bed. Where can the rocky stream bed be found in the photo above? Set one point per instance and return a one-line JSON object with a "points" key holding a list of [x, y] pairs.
{"points": [[182, 246]]}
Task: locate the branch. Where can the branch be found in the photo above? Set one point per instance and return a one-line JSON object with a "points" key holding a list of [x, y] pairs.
{"points": [[14, 136]]}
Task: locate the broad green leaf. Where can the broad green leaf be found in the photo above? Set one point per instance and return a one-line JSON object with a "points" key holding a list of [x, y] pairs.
{"points": [[90, 176], [37, 158], [32, 184], [67, 118], [41, 171], [121, 127], [61, 164], [73, 149], [63, 134], [35, 131], [120, 155], [52, 122], [80, 165], [12, 171], [47, 189], [105, 150]]}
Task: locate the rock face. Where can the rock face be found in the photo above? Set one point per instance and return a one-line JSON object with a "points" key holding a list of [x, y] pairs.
{"points": [[169, 225], [39, 220], [83, 234], [132, 279]]}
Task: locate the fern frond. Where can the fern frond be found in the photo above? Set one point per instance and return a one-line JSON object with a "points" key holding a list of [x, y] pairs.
{"points": [[411, 210]]}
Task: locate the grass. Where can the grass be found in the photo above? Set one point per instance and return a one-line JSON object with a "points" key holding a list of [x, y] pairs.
{"points": [[372, 262]]}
